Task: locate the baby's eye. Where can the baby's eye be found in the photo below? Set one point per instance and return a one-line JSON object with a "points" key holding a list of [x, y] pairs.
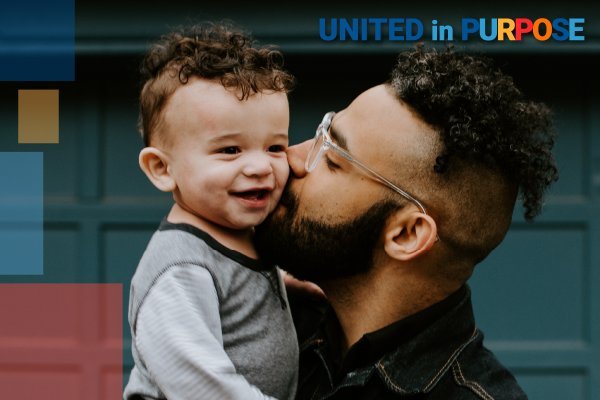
{"points": [[277, 148], [230, 150]]}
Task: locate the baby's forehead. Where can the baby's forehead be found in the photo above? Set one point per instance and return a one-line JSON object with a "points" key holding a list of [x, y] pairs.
{"points": [[202, 106]]}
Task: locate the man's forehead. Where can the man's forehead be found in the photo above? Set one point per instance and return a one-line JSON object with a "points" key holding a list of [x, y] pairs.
{"points": [[351, 118], [365, 115], [373, 105], [374, 99], [378, 119]]}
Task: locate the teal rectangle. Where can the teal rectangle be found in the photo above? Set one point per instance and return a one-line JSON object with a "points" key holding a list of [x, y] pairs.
{"points": [[21, 213]]}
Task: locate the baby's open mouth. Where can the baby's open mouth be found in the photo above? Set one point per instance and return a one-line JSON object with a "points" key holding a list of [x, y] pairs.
{"points": [[253, 194]]}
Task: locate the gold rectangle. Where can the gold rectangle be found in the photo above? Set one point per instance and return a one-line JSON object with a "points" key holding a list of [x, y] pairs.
{"points": [[38, 116]]}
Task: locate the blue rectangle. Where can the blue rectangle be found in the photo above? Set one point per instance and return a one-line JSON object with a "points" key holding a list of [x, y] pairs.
{"points": [[21, 213], [37, 40]]}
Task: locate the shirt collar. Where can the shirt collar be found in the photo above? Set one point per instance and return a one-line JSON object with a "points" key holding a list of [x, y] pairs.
{"points": [[374, 345], [410, 355], [419, 363]]}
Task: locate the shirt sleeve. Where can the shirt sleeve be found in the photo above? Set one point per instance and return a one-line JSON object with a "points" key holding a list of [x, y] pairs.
{"points": [[178, 337]]}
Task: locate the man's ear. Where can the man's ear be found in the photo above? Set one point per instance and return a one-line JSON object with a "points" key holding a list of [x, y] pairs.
{"points": [[155, 165], [409, 234]]}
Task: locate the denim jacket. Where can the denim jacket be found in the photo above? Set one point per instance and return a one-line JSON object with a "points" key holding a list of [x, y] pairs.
{"points": [[446, 360]]}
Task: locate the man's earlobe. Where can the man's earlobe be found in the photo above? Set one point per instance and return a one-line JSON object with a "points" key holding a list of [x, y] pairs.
{"points": [[155, 165], [409, 235]]}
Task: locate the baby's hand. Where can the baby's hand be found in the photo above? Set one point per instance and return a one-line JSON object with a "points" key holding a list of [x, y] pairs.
{"points": [[303, 288]]}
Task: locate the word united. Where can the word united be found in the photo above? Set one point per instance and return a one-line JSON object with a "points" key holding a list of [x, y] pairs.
{"points": [[486, 29]]}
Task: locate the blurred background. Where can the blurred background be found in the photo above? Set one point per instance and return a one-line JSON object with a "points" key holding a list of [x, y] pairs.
{"points": [[537, 297]]}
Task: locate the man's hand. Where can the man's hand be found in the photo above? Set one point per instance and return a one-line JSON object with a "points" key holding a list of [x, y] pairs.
{"points": [[301, 288]]}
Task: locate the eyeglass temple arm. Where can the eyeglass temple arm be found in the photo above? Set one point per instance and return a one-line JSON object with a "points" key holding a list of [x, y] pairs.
{"points": [[376, 176]]}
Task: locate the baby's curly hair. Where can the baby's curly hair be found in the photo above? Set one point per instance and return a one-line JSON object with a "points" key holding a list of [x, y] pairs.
{"points": [[481, 116], [212, 51]]}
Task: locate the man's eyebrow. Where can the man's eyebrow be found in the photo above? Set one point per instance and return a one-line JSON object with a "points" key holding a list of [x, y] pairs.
{"points": [[338, 138]]}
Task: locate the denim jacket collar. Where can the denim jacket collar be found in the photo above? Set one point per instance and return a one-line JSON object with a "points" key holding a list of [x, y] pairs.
{"points": [[420, 363], [417, 365]]}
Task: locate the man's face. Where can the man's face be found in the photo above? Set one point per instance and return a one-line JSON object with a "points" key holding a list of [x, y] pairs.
{"points": [[329, 222]]}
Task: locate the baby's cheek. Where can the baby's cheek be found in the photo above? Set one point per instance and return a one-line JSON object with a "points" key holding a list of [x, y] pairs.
{"points": [[282, 172]]}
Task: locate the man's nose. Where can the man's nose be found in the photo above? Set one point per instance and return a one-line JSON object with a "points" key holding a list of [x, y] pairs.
{"points": [[297, 156]]}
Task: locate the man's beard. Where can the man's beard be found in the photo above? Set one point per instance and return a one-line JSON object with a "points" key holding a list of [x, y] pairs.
{"points": [[313, 250]]}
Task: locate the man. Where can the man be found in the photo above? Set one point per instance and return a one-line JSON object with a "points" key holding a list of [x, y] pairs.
{"points": [[389, 209]]}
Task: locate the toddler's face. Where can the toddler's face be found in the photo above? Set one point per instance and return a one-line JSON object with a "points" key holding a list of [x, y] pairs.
{"points": [[227, 156]]}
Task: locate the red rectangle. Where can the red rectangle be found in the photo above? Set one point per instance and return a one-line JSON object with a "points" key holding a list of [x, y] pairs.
{"points": [[69, 335]]}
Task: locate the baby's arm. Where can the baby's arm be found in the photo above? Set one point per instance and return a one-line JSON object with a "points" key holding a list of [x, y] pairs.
{"points": [[178, 336]]}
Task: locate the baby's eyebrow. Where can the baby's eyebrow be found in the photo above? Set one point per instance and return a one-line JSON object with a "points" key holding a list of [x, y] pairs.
{"points": [[224, 138], [281, 136]]}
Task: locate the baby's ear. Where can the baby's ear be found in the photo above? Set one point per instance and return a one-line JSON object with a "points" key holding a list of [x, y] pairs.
{"points": [[155, 165]]}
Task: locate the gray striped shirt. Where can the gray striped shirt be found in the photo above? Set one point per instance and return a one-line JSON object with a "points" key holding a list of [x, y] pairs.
{"points": [[208, 323]]}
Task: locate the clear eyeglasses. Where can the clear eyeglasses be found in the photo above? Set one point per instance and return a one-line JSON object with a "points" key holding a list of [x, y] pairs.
{"points": [[323, 143]]}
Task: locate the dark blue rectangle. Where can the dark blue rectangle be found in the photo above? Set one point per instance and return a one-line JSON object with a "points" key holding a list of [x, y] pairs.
{"points": [[37, 40]]}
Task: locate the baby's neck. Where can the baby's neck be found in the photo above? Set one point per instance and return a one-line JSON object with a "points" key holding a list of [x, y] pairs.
{"points": [[239, 240]]}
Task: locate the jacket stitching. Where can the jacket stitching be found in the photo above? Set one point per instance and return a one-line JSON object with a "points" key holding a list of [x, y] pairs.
{"points": [[312, 397], [325, 366], [450, 360], [473, 386], [437, 376], [388, 380]]}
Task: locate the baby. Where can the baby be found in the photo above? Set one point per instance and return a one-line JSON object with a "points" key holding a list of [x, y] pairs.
{"points": [[208, 320]]}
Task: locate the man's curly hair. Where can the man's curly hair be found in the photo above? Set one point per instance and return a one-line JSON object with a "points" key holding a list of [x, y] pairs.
{"points": [[212, 51], [481, 116]]}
